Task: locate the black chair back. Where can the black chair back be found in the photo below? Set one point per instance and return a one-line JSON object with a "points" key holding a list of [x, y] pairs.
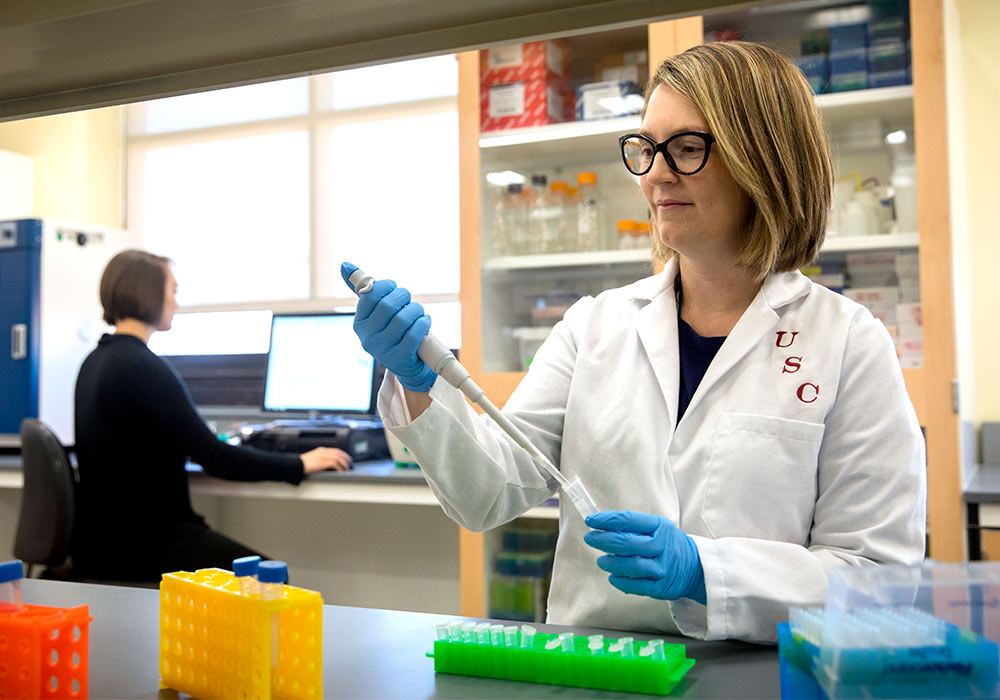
{"points": [[45, 525]]}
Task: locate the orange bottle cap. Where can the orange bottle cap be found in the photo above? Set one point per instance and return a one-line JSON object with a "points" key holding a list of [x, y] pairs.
{"points": [[586, 178], [559, 186], [626, 225]]}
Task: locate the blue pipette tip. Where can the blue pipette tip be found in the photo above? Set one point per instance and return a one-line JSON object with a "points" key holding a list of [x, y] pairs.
{"points": [[246, 566], [11, 570], [272, 572]]}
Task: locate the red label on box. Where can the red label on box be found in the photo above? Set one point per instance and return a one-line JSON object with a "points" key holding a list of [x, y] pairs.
{"points": [[532, 61], [526, 103]]}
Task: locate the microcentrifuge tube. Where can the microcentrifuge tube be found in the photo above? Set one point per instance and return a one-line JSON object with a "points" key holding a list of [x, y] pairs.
{"points": [[653, 648], [595, 644], [441, 629], [455, 631], [469, 632], [567, 641], [510, 636], [483, 633], [627, 649], [527, 636], [496, 635]]}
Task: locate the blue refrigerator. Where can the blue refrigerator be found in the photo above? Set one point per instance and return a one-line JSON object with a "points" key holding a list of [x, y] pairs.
{"points": [[50, 317]]}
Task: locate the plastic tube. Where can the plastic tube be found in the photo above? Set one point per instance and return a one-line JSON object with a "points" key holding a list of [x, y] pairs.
{"points": [[11, 573], [272, 576], [439, 358], [245, 571]]}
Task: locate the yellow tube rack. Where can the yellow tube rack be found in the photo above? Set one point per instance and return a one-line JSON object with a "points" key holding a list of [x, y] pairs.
{"points": [[216, 643]]}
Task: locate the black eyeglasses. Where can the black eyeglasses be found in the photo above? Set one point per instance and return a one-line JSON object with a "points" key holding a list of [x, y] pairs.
{"points": [[686, 153]]}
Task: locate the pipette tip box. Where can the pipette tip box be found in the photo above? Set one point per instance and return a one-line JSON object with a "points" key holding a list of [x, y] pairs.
{"points": [[897, 632], [482, 650]]}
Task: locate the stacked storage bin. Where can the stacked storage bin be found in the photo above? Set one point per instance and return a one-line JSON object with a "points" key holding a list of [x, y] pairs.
{"points": [[861, 55], [888, 43], [519, 586]]}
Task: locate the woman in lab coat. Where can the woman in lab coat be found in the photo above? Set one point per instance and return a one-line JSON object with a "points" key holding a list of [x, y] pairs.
{"points": [[746, 429]]}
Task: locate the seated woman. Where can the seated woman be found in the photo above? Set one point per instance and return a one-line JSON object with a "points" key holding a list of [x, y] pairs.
{"points": [[136, 427]]}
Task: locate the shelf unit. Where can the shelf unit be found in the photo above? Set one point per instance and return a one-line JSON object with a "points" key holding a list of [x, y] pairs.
{"points": [[922, 103]]}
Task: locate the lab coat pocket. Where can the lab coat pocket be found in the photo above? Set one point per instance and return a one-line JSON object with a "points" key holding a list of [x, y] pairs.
{"points": [[762, 478]]}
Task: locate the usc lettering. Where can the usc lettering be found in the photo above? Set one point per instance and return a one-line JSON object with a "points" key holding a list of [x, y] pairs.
{"points": [[792, 365], [802, 392], [807, 392]]}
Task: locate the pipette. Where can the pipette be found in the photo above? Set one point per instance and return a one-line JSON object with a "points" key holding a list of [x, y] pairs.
{"points": [[439, 358]]}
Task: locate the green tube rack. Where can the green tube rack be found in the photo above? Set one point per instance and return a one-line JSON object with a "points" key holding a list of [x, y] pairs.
{"points": [[487, 651]]}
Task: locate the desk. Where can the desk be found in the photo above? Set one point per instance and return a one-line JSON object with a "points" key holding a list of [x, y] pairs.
{"points": [[370, 653], [983, 489]]}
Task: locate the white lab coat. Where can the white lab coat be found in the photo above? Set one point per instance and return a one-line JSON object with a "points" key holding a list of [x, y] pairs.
{"points": [[800, 451]]}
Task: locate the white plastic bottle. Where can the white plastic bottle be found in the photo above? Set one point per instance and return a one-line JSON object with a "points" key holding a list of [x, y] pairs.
{"points": [[588, 213]]}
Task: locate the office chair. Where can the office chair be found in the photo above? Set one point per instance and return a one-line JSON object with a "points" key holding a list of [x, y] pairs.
{"points": [[45, 525], [48, 507]]}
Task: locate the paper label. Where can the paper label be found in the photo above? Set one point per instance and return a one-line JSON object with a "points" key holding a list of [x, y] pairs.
{"points": [[505, 56], [507, 100], [554, 58]]}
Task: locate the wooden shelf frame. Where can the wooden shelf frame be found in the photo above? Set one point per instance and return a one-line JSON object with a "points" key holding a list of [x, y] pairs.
{"points": [[930, 387]]}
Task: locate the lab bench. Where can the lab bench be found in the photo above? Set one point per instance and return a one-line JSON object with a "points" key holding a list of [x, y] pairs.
{"points": [[374, 536], [373, 653], [982, 506]]}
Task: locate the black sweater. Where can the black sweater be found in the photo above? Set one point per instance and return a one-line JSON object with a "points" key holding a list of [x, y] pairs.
{"points": [[136, 427]]}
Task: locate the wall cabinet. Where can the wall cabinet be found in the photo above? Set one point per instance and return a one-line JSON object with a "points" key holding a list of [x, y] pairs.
{"points": [[503, 292]]}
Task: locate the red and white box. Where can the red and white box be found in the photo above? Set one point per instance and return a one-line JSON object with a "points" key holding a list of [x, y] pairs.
{"points": [[526, 103], [535, 60]]}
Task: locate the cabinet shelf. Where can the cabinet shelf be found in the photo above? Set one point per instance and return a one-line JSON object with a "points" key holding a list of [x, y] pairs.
{"points": [[878, 242], [642, 256], [892, 103], [637, 256], [589, 140]]}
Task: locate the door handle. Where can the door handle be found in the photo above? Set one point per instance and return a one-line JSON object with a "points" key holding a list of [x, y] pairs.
{"points": [[19, 341]]}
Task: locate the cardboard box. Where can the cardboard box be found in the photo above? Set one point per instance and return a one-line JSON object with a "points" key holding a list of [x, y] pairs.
{"points": [[607, 100], [535, 60], [631, 65], [526, 103], [873, 295]]}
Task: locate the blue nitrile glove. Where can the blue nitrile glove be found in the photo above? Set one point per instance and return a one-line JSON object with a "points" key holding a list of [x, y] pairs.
{"points": [[647, 555], [391, 328]]}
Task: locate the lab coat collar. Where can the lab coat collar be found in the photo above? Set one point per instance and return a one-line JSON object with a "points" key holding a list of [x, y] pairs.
{"points": [[778, 289], [657, 328]]}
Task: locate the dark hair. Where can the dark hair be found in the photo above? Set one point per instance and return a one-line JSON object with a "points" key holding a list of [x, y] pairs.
{"points": [[770, 137], [133, 286]]}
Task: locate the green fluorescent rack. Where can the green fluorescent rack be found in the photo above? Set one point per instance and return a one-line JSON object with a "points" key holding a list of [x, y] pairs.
{"points": [[494, 651]]}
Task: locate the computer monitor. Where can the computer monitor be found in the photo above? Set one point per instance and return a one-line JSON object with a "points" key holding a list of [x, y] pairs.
{"points": [[316, 363]]}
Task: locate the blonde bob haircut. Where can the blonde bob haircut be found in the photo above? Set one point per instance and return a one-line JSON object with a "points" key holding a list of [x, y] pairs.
{"points": [[770, 137]]}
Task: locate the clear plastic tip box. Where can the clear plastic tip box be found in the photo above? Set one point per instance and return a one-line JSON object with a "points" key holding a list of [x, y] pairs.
{"points": [[216, 643], [897, 632]]}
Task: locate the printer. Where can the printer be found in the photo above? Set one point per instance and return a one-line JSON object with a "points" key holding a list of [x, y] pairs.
{"points": [[360, 438]]}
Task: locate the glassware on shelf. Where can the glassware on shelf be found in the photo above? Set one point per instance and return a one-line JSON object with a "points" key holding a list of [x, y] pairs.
{"points": [[640, 236], [543, 218], [508, 220], [570, 201], [625, 228], [588, 213]]}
